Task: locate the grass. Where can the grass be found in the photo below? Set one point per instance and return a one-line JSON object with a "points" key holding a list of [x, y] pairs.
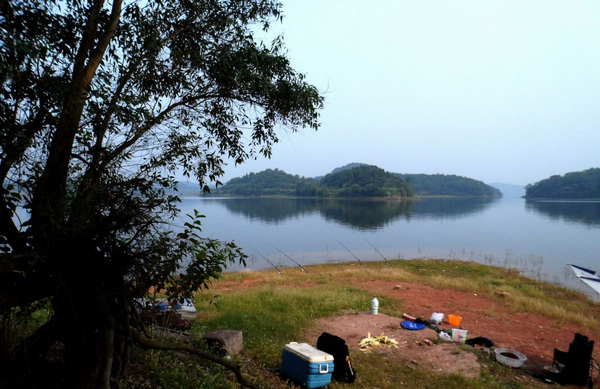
{"points": [[18, 323], [273, 309]]}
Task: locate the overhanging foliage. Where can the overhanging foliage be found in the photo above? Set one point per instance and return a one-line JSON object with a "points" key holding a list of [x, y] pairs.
{"points": [[102, 104]]}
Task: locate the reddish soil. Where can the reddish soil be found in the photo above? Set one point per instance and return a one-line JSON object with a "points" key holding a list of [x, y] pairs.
{"points": [[531, 334]]}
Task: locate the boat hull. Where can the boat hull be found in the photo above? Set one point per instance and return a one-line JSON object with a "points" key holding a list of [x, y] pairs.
{"points": [[590, 277]]}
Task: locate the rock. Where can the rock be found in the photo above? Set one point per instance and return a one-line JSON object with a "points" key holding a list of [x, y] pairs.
{"points": [[230, 341]]}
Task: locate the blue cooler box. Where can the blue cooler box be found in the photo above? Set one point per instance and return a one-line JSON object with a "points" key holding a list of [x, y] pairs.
{"points": [[306, 365]]}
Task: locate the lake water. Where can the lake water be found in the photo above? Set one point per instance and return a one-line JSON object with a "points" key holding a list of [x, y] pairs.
{"points": [[538, 238]]}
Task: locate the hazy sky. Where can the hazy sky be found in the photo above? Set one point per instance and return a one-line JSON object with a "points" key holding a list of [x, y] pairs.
{"points": [[499, 91]]}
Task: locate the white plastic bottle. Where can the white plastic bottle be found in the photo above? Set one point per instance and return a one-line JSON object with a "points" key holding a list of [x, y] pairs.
{"points": [[374, 306]]}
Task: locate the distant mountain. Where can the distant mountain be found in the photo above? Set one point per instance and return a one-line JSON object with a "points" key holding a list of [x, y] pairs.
{"points": [[348, 167], [509, 190], [187, 188], [574, 185]]}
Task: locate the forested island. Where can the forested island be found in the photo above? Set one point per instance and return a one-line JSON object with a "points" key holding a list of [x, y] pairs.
{"points": [[355, 180], [574, 185], [449, 185]]}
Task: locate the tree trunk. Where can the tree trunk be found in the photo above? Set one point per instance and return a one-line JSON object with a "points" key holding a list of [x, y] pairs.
{"points": [[95, 350]]}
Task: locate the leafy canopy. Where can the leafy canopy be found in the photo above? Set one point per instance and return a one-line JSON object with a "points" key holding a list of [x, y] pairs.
{"points": [[101, 105], [573, 185]]}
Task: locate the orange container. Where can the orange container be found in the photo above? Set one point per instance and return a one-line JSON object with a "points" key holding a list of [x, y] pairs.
{"points": [[454, 320]]}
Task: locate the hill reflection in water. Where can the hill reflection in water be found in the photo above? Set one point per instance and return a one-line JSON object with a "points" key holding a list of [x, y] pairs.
{"points": [[537, 238], [576, 211], [358, 214]]}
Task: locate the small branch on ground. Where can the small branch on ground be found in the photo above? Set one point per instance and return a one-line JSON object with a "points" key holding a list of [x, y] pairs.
{"points": [[154, 344]]}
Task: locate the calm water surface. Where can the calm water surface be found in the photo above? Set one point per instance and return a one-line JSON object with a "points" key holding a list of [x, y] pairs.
{"points": [[538, 238]]}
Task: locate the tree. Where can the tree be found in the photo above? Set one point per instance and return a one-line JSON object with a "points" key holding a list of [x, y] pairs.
{"points": [[101, 104], [366, 181], [574, 185], [448, 185]]}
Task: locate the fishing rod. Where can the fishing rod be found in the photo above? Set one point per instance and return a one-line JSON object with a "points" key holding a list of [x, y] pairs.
{"points": [[266, 259], [351, 253], [291, 259], [378, 252]]}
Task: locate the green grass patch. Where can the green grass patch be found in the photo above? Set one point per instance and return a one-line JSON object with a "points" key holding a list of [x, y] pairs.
{"points": [[268, 316], [273, 309]]}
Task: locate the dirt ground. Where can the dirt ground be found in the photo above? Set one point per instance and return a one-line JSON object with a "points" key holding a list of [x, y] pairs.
{"points": [[530, 334]]}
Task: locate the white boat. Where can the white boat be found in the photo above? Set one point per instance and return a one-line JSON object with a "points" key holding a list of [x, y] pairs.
{"points": [[590, 277]]}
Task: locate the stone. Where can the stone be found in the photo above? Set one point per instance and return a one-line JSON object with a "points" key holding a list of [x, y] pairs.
{"points": [[230, 341]]}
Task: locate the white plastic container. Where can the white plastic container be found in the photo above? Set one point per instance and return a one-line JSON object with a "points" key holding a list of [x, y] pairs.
{"points": [[510, 357], [436, 318], [374, 306]]}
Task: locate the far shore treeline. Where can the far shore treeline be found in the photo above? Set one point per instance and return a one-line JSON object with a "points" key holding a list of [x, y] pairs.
{"points": [[355, 180], [574, 185]]}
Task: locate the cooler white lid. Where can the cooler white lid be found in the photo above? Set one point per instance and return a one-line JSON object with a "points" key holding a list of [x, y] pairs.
{"points": [[308, 352]]}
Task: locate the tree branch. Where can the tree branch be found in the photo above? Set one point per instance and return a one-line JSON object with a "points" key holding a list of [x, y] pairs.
{"points": [[49, 195], [98, 53], [158, 345], [149, 125]]}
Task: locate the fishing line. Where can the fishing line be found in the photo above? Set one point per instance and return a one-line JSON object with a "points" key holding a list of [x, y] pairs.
{"points": [[301, 267], [348, 250], [266, 259], [384, 258]]}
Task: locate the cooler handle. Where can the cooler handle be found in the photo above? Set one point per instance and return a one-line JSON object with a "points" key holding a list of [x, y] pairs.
{"points": [[321, 371]]}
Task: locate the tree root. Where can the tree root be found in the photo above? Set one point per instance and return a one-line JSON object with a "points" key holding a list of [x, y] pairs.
{"points": [[154, 344]]}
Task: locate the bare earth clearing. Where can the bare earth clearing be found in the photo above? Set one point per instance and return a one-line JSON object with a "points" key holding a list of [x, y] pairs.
{"points": [[532, 335]]}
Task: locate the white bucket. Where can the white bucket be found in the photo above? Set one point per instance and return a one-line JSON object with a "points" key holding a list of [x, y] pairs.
{"points": [[459, 336]]}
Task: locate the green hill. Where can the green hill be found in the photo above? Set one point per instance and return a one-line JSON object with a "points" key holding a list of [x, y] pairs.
{"points": [[449, 185], [354, 180], [365, 181], [574, 185], [266, 183]]}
